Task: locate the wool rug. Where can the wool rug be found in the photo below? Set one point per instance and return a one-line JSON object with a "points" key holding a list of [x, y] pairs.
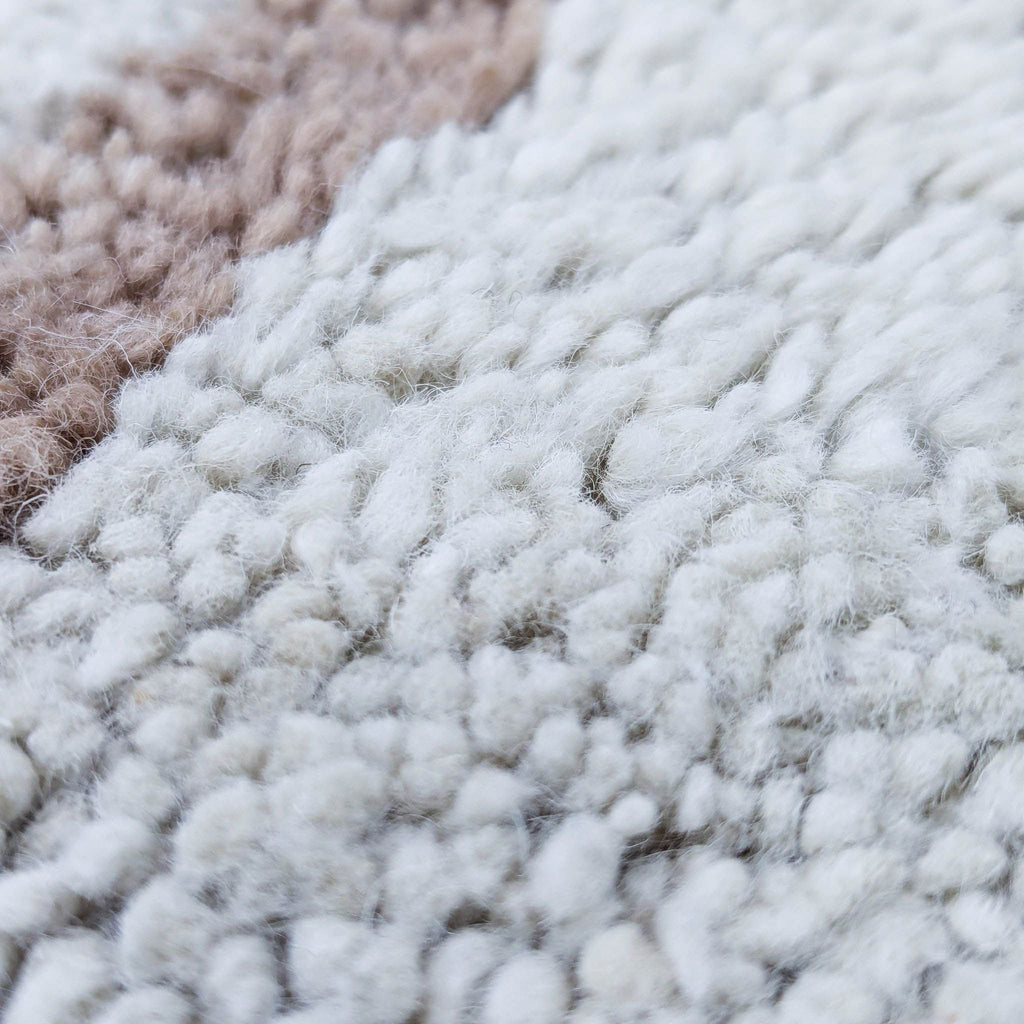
{"points": [[515, 513]]}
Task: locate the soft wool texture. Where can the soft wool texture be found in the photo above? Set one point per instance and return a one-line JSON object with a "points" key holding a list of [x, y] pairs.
{"points": [[49, 49], [582, 584], [122, 236]]}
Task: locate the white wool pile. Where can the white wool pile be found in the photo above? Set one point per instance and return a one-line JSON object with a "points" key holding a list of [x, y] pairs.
{"points": [[584, 584], [51, 48]]}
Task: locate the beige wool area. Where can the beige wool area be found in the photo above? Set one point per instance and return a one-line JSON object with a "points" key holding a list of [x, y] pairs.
{"points": [[51, 49], [121, 235]]}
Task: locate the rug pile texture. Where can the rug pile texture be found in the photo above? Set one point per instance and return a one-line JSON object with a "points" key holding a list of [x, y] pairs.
{"points": [[514, 512]]}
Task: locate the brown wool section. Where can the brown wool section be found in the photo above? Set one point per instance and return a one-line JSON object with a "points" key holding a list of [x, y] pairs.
{"points": [[121, 236]]}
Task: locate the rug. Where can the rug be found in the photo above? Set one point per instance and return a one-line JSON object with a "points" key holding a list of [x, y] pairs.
{"points": [[514, 513]]}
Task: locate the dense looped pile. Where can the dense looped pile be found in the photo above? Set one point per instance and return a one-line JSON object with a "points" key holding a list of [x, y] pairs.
{"points": [[582, 584], [122, 236], [50, 51]]}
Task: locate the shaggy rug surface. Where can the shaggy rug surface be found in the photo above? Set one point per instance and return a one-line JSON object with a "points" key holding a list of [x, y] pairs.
{"points": [[544, 533]]}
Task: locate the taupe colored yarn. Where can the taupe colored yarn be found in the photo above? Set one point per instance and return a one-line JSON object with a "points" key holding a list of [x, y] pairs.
{"points": [[122, 234]]}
